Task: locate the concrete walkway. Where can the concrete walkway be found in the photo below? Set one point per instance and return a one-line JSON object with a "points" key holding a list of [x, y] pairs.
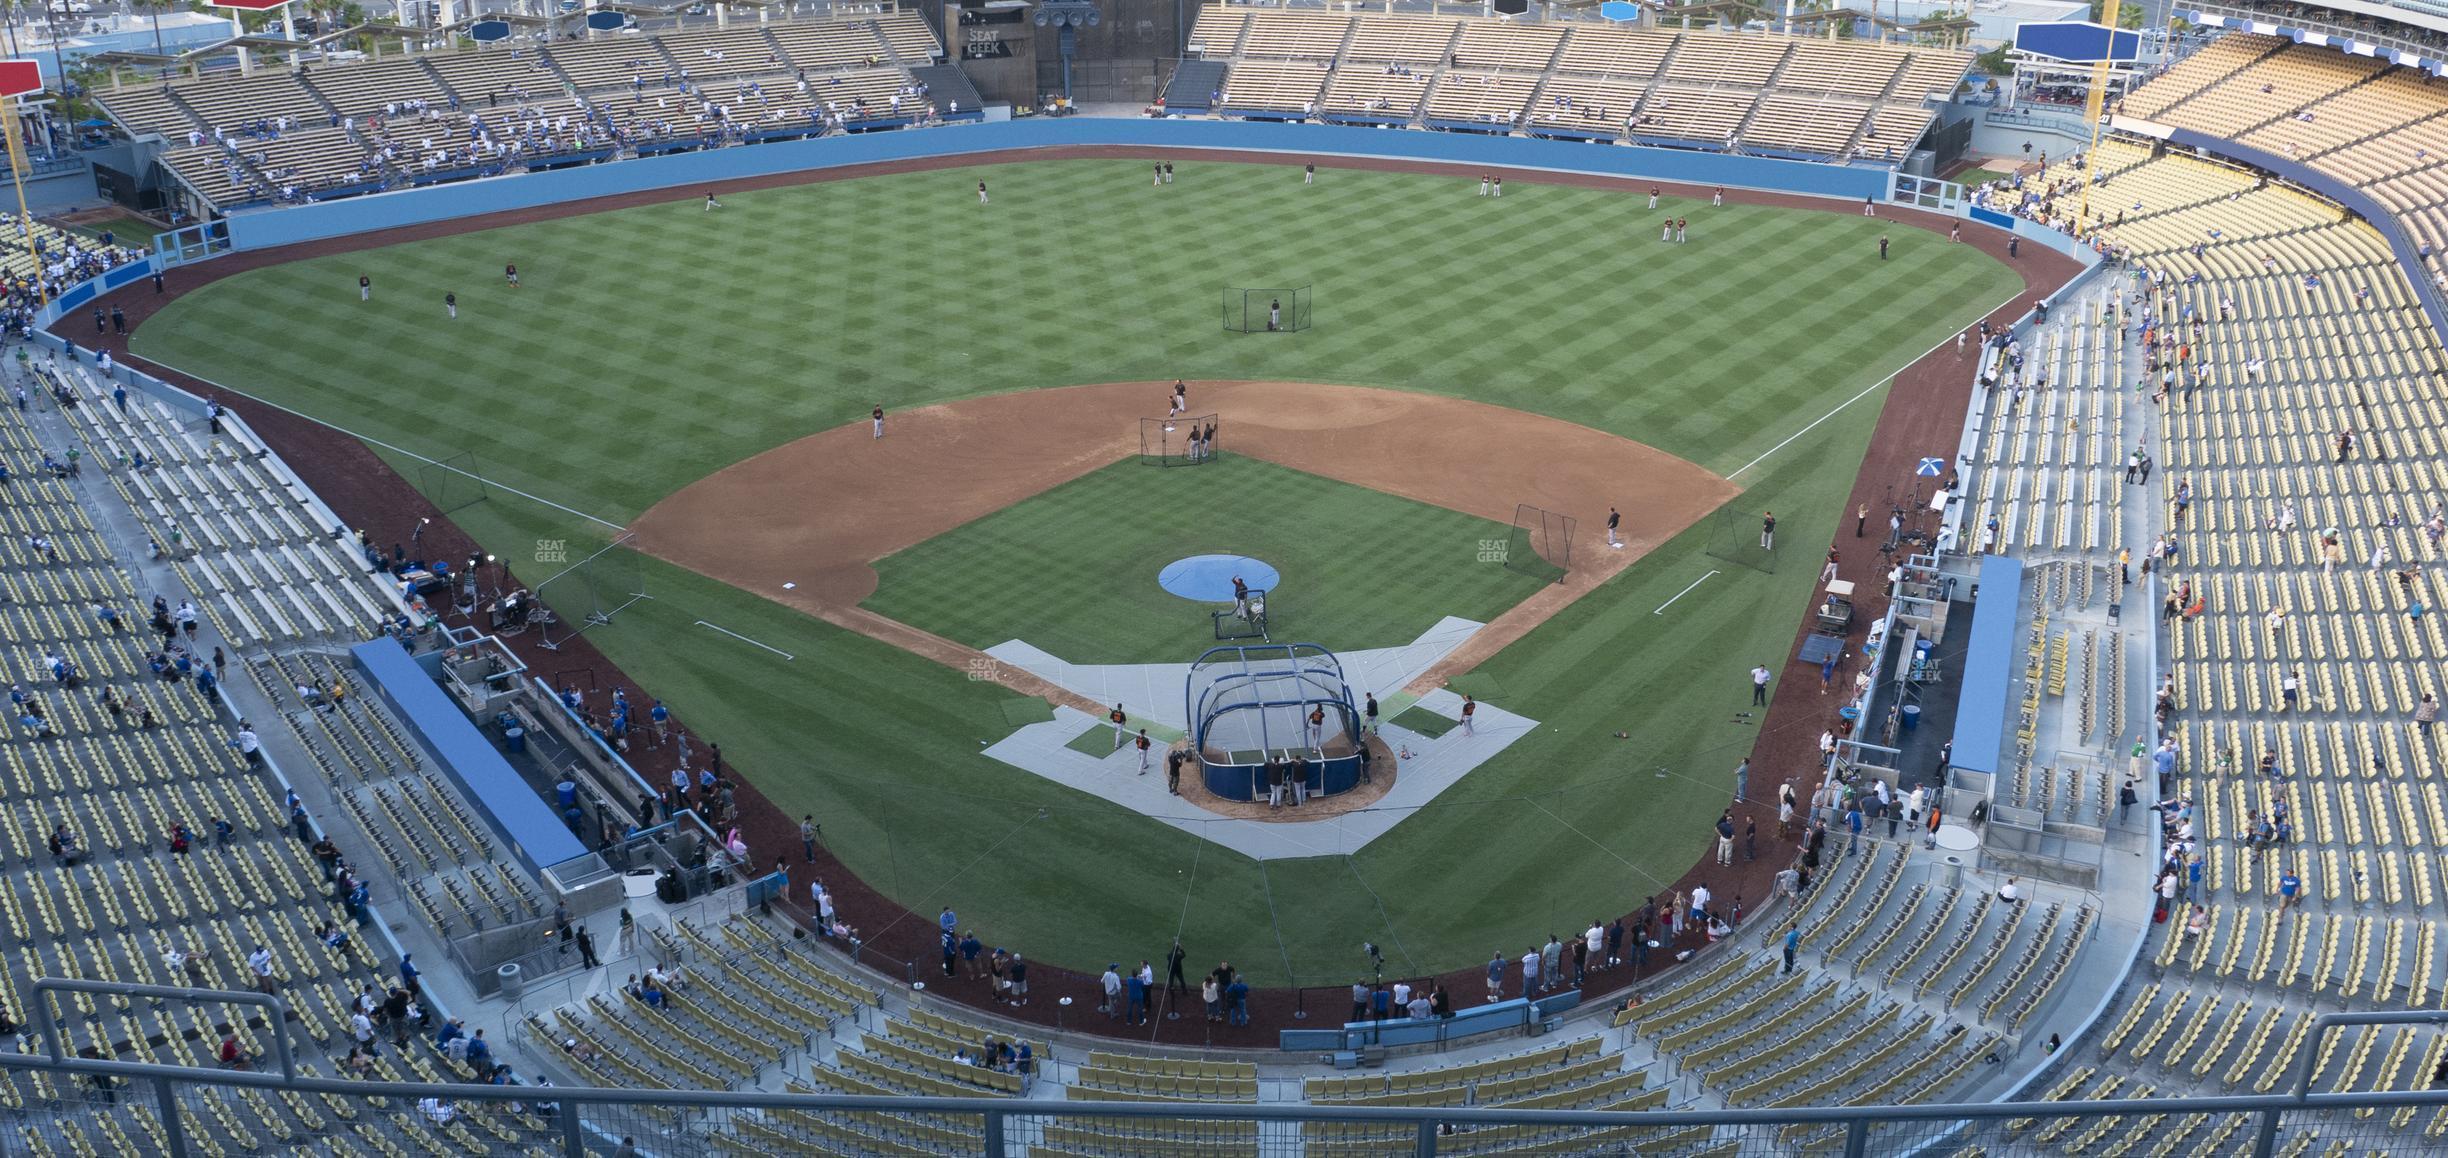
{"points": [[1434, 766], [1154, 691]]}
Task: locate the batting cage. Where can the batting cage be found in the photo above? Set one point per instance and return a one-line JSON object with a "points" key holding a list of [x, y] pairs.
{"points": [[452, 483], [1249, 704], [1179, 441], [1540, 543], [1266, 311], [1740, 536]]}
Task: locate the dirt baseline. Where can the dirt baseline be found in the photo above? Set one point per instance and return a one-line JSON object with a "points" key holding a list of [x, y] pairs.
{"points": [[817, 513]]}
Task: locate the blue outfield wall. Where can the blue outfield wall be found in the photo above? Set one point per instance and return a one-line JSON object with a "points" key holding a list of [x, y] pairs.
{"points": [[299, 223], [91, 288]]}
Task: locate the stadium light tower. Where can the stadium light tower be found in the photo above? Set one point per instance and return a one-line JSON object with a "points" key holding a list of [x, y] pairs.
{"points": [[1067, 17], [2094, 107]]}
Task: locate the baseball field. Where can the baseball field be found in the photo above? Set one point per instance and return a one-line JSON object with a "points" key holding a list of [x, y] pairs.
{"points": [[705, 377]]}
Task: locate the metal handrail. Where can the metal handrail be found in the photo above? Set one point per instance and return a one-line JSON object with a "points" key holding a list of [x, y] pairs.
{"points": [[55, 1042], [995, 1113]]}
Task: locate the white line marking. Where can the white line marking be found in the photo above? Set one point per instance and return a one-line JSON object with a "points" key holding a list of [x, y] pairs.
{"points": [[746, 640], [261, 401], [1840, 407], [1661, 608]]}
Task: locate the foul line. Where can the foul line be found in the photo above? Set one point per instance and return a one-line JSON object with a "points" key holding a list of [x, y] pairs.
{"points": [[1274, 924], [401, 450], [1661, 608], [1160, 1007], [744, 639], [930, 894], [1569, 827], [1840, 407], [1382, 915]]}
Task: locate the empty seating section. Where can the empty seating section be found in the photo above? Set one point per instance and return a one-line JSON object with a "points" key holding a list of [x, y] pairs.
{"points": [[820, 47], [2238, 217], [2272, 85], [1299, 35], [1932, 74], [1854, 70], [1388, 96], [1577, 78], [1489, 99], [1716, 59], [1841, 1027], [2380, 128], [2215, 62], [1894, 129], [637, 63], [283, 137], [1273, 86], [1581, 103], [487, 79], [362, 89], [1615, 52], [2401, 124], [2049, 454], [738, 998], [723, 53], [908, 36], [241, 103], [149, 109], [1806, 124], [1518, 48], [2419, 199], [2168, 185], [1216, 34], [1170, 1079], [263, 568], [1704, 115], [1401, 39], [2352, 116]]}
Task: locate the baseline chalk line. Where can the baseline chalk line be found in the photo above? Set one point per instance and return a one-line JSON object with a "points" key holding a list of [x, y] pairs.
{"points": [[1661, 608], [754, 643]]}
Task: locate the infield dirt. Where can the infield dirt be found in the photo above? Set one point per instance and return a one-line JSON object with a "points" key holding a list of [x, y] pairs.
{"points": [[804, 523]]}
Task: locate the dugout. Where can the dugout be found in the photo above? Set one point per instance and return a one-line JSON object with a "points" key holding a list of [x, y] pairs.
{"points": [[1247, 703]]}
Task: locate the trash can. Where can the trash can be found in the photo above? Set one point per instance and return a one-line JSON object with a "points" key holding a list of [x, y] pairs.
{"points": [[513, 986], [515, 739], [1912, 716]]}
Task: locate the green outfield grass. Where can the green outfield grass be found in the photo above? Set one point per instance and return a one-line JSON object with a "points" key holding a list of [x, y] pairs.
{"points": [[655, 345], [1570, 823], [651, 346], [1074, 570]]}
